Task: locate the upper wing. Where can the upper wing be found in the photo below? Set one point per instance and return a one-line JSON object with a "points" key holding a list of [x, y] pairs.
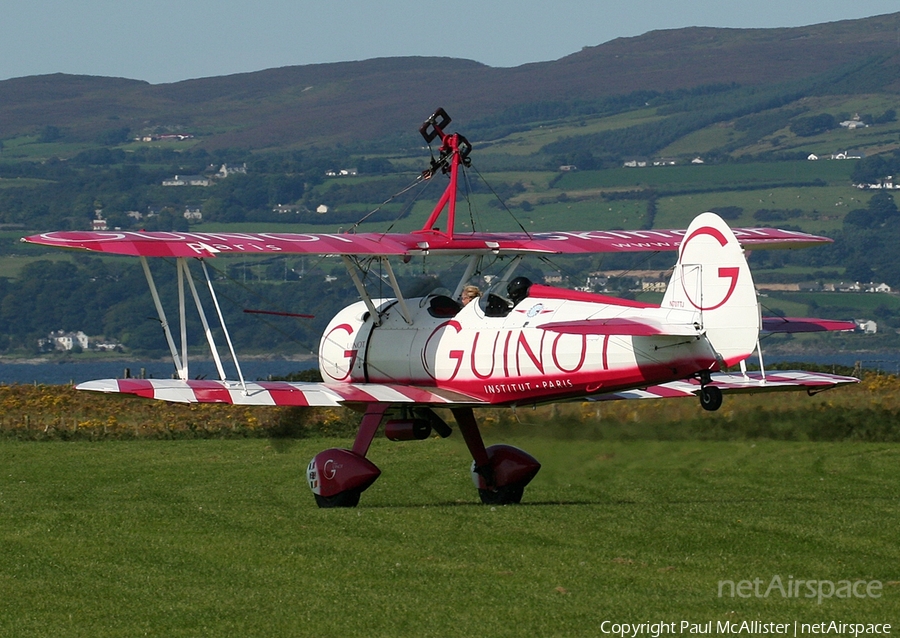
{"points": [[175, 244], [278, 392], [779, 381]]}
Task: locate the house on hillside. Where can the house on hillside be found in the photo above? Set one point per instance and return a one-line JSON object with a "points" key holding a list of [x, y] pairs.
{"points": [[60, 340], [98, 223], [842, 155], [226, 170], [187, 180], [854, 123], [866, 326], [342, 172], [635, 162]]}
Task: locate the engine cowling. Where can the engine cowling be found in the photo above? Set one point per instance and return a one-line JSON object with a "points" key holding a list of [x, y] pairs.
{"points": [[336, 471]]}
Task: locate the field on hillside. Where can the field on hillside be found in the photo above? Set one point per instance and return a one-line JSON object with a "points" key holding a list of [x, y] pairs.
{"points": [[221, 538]]}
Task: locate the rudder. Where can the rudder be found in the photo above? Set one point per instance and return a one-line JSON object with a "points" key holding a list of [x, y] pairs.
{"points": [[712, 277]]}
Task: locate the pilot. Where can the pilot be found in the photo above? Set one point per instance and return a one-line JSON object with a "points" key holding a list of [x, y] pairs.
{"points": [[470, 293], [517, 289]]}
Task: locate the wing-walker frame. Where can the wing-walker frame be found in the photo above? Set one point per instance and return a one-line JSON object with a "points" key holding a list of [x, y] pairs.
{"points": [[396, 360]]}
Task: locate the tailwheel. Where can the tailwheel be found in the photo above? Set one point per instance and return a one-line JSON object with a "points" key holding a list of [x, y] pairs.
{"points": [[710, 398]]}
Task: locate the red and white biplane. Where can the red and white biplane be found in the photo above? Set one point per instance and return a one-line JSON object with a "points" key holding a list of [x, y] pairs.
{"points": [[520, 343]]}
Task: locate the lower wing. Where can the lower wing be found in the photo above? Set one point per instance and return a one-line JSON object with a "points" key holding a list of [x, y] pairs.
{"points": [[336, 394], [279, 392]]}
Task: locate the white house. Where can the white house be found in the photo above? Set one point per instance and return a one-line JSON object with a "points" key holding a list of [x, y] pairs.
{"points": [[227, 170], [68, 340], [322, 209], [187, 180], [98, 223], [854, 123], [867, 326]]}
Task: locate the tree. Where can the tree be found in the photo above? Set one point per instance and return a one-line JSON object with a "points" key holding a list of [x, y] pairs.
{"points": [[49, 134], [813, 125]]}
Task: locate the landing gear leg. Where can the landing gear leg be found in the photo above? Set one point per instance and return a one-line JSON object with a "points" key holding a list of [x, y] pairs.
{"points": [[500, 472], [337, 477]]}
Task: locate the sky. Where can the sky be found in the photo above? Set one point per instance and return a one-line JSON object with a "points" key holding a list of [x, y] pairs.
{"points": [[167, 40]]}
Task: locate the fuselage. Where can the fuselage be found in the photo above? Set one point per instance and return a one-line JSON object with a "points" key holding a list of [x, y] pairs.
{"points": [[509, 359]]}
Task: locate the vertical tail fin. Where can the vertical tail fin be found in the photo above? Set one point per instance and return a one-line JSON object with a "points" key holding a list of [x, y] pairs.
{"points": [[712, 277]]}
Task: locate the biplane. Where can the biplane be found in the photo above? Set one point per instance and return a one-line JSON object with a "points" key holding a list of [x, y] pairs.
{"points": [[397, 359]]}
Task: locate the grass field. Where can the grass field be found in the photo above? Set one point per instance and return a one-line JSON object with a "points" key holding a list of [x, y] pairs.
{"points": [[221, 538]]}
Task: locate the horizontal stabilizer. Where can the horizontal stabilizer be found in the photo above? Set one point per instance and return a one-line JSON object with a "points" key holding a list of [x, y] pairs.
{"points": [[802, 324], [277, 392], [780, 381], [634, 327]]}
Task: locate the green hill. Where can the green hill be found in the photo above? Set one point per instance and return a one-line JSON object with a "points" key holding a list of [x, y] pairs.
{"points": [[346, 102]]}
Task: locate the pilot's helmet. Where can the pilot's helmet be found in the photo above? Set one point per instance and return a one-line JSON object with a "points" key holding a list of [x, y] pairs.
{"points": [[517, 289]]}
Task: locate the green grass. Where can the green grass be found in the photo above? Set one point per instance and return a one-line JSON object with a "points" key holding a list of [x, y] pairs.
{"points": [[528, 142], [11, 265], [706, 175], [23, 182], [858, 301], [221, 538], [823, 207]]}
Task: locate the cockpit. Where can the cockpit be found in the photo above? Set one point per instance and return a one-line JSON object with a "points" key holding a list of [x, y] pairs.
{"points": [[503, 296]]}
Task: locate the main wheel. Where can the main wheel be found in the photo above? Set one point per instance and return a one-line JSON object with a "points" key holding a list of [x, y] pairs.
{"points": [[506, 495], [350, 498], [710, 398]]}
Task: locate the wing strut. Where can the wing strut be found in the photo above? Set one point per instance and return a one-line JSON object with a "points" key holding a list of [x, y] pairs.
{"points": [[474, 261], [404, 310], [367, 298], [363, 293], [209, 337], [182, 370], [181, 362], [215, 299]]}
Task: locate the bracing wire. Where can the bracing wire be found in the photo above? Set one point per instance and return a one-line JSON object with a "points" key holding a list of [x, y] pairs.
{"points": [[505, 207]]}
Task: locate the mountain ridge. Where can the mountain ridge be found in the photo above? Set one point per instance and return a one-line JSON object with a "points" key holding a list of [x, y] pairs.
{"points": [[296, 106]]}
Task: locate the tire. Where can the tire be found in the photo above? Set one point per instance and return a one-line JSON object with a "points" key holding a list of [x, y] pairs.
{"points": [[710, 398], [506, 495], [350, 498]]}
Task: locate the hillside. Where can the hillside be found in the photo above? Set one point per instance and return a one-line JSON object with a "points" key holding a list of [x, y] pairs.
{"points": [[323, 104], [737, 112]]}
